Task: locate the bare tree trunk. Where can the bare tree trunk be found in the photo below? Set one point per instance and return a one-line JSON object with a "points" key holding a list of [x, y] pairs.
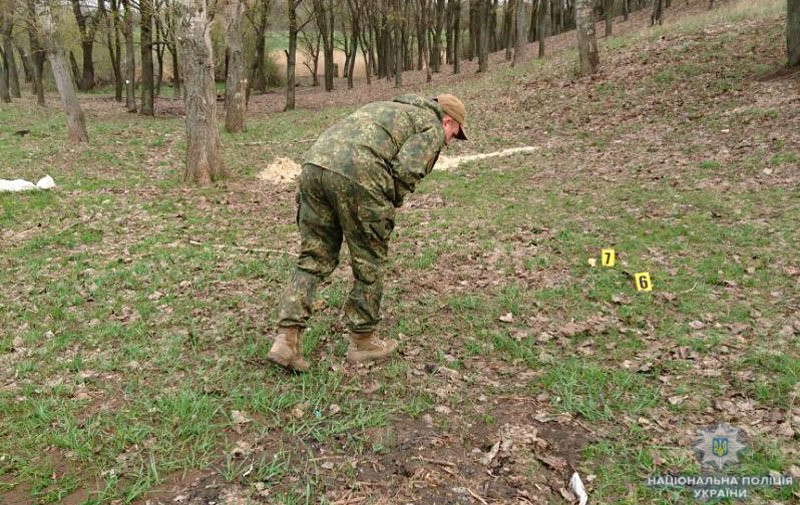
{"points": [[448, 34], [457, 37], [37, 53], [325, 20], [291, 54], [438, 25], [87, 24], [483, 36], [146, 36], [519, 40], [355, 31], [543, 21], [507, 33], [4, 95], [793, 32], [203, 161], [626, 9], [608, 13], [587, 43], [236, 83], [474, 28], [172, 46], [258, 77], [658, 13], [130, 59], [423, 49], [492, 25], [8, 45], [159, 46], [113, 43], [76, 124], [26, 63], [398, 49]]}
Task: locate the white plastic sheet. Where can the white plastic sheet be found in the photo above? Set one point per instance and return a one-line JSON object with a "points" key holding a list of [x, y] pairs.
{"points": [[46, 182]]}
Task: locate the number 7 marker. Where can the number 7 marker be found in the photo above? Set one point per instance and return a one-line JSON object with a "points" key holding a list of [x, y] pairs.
{"points": [[608, 257]]}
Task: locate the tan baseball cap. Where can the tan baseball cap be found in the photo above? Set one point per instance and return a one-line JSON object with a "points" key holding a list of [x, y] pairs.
{"points": [[453, 107]]}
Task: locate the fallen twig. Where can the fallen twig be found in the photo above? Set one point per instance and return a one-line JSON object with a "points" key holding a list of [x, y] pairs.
{"points": [[240, 248], [437, 461], [477, 496], [349, 501], [264, 142]]}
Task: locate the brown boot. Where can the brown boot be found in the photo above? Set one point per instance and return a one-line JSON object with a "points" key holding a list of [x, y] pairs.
{"points": [[367, 347], [287, 350]]}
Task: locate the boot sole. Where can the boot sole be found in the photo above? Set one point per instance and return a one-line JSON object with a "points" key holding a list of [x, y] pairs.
{"points": [[354, 357], [287, 364]]}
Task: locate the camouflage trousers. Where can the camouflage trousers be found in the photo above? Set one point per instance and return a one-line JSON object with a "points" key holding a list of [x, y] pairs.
{"points": [[332, 207]]}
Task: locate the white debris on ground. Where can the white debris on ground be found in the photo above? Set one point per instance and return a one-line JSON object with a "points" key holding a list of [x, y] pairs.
{"points": [[46, 182], [285, 171], [580, 490], [281, 171], [449, 163]]}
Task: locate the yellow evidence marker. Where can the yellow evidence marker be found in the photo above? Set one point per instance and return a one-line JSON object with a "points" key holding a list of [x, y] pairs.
{"points": [[643, 282], [608, 257]]}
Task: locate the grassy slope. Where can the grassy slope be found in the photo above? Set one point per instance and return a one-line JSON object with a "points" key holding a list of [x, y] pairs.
{"points": [[133, 308]]}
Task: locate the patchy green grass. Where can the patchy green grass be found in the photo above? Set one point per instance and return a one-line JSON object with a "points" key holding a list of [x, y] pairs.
{"points": [[136, 311]]}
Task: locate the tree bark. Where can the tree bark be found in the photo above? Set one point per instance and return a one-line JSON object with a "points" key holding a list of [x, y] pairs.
{"points": [[457, 37], [146, 38], [587, 42], [483, 36], [4, 94], [492, 25], [203, 161], [26, 63], [398, 49], [474, 28], [37, 53], [130, 58], [543, 22], [793, 32], [507, 33], [519, 40], [325, 24], [355, 30], [8, 47], [236, 82], [291, 54], [56, 54], [658, 13], [438, 26], [258, 77], [86, 26], [608, 14], [159, 47], [423, 28], [113, 43]]}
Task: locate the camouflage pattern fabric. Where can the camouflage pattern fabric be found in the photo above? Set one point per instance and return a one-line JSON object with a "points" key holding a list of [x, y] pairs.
{"points": [[385, 147], [355, 174]]}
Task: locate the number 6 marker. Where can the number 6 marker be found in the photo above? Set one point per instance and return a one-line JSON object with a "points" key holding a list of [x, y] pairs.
{"points": [[643, 282]]}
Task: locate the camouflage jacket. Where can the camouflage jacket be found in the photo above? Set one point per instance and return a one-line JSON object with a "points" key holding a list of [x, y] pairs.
{"points": [[385, 147]]}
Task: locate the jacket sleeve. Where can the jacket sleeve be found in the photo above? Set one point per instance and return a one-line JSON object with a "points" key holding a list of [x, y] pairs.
{"points": [[415, 160]]}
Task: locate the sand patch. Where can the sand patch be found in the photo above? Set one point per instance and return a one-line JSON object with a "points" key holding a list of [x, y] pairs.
{"points": [[281, 171], [451, 162], [285, 171]]}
